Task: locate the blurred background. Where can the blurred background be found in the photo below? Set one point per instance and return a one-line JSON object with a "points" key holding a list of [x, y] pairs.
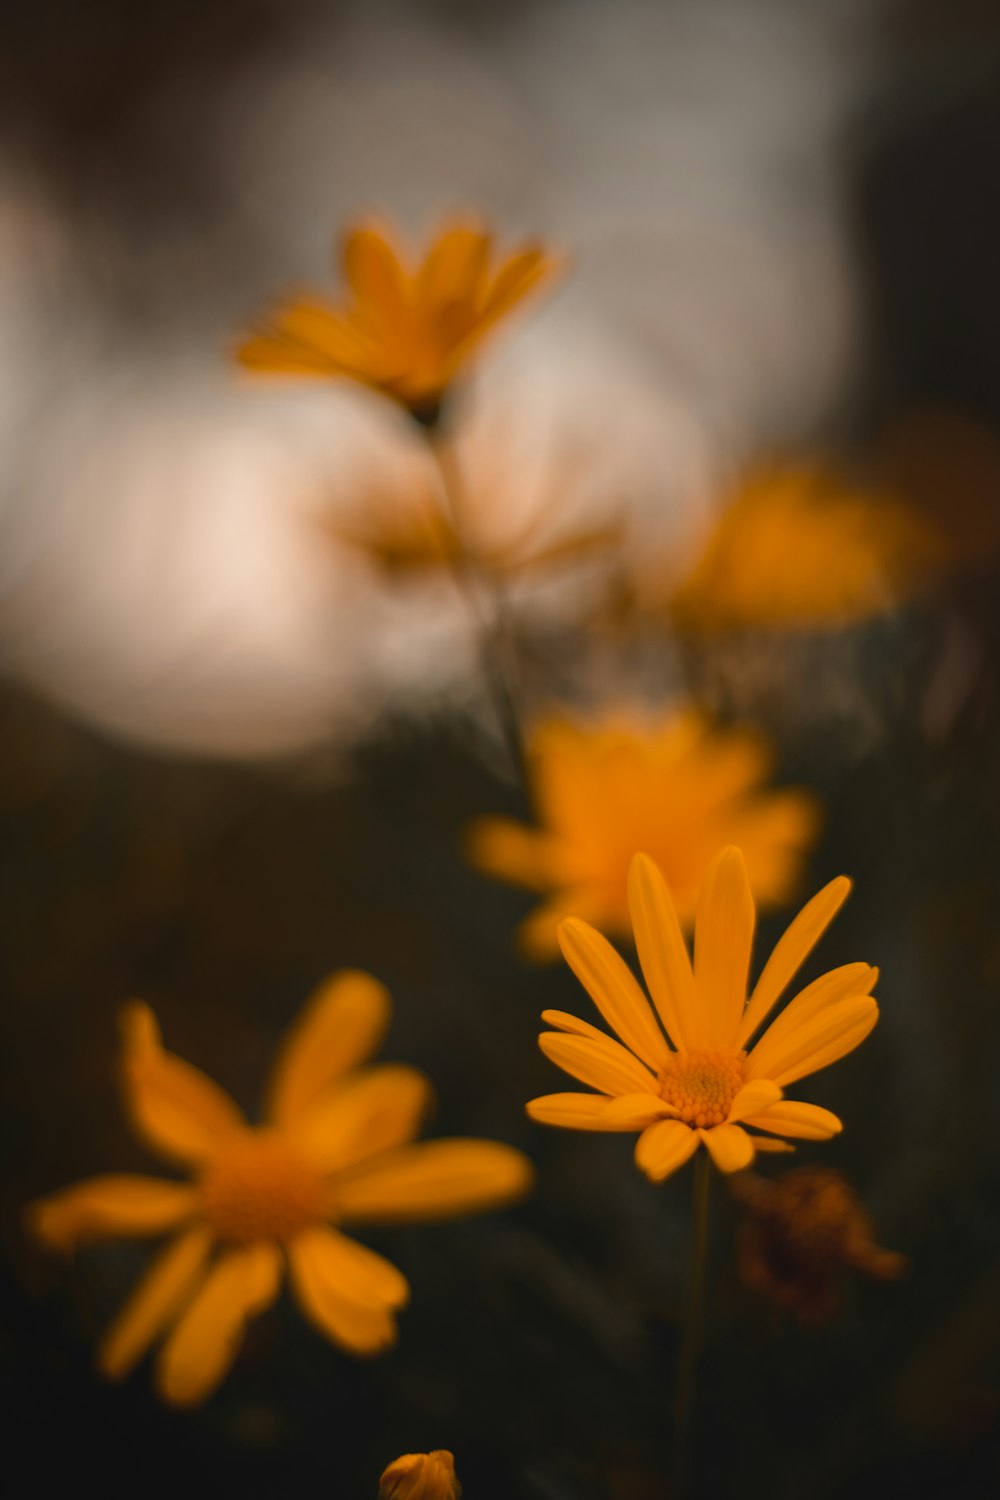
{"points": [[240, 748]]}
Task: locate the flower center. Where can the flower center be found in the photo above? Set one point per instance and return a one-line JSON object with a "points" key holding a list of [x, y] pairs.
{"points": [[257, 1187], [702, 1085]]}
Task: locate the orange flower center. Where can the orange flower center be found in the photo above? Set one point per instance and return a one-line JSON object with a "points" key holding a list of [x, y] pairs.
{"points": [[257, 1187], [702, 1085]]}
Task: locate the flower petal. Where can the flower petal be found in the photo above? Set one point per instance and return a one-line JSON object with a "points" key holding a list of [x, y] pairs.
{"points": [[611, 985], [176, 1108], [454, 268], [563, 1021], [845, 983], [597, 1061], [377, 278], [806, 1122], [152, 1307], [769, 1145], [636, 1111], [822, 1040], [729, 1147], [662, 953], [119, 1206], [205, 1342], [752, 1099], [722, 942], [510, 851], [433, 1180], [367, 1113], [664, 1147], [343, 1023], [791, 951], [346, 1290], [573, 1111]]}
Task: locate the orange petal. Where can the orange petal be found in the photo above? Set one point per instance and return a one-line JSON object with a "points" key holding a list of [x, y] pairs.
{"points": [[805, 1122], [510, 851], [597, 1061], [662, 953], [377, 278], [845, 983], [342, 1024], [821, 1041], [723, 939], [111, 1207], [573, 1111], [753, 1098], [729, 1147], [205, 1342], [175, 1107], [664, 1147], [370, 1112], [152, 1307], [347, 1291], [611, 985], [791, 951], [433, 1180], [454, 268]]}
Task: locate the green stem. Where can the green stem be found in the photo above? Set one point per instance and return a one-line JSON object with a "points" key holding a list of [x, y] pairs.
{"points": [[495, 633], [691, 1330]]}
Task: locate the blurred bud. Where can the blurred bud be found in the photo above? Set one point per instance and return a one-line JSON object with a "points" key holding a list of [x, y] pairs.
{"points": [[801, 1233], [421, 1476]]}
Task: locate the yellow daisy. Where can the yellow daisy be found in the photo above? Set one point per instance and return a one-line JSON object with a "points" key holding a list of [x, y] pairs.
{"points": [[421, 1476], [703, 1083], [800, 547], [335, 1150], [404, 329], [672, 785]]}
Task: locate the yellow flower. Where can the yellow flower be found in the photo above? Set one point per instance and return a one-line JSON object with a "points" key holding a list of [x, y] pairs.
{"points": [[406, 330], [673, 786], [798, 547], [336, 1150], [421, 1476], [706, 1087]]}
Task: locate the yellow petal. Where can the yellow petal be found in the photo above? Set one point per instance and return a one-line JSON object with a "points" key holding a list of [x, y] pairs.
{"points": [[791, 951], [175, 1107], [160, 1295], [662, 953], [433, 1180], [510, 851], [722, 943], [610, 984], [845, 983], [752, 1099], [729, 1147], [342, 1024], [347, 1291], [821, 1041], [367, 1113], [563, 1021], [205, 1342], [377, 278], [806, 1122], [636, 1111], [664, 1147], [573, 1111], [597, 1061], [769, 1145], [119, 1206]]}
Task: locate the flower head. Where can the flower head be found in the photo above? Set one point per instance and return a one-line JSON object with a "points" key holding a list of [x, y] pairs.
{"points": [[673, 786], [421, 1476], [336, 1150], [801, 1234], [683, 1075], [799, 547], [404, 329]]}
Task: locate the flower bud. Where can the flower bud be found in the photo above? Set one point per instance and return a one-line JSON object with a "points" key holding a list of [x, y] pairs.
{"points": [[421, 1476]]}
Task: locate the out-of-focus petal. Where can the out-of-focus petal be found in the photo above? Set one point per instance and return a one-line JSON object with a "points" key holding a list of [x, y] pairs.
{"points": [[342, 1025], [175, 1107], [111, 1207], [157, 1299], [433, 1180]]}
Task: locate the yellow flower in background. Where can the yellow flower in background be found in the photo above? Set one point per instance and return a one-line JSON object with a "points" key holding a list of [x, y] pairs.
{"points": [[404, 329], [421, 1476], [336, 1150], [698, 1084], [799, 547], [671, 785]]}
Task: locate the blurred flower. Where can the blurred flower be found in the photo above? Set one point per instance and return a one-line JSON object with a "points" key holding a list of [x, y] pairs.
{"points": [[406, 330], [673, 786], [707, 1087], [799, 547], [421, 1476], [801, 1233], [336, 1149]]}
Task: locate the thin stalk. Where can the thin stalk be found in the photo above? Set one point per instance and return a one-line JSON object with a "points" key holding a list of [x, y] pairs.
{"points": [[493, 625], [691, 1328]]}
